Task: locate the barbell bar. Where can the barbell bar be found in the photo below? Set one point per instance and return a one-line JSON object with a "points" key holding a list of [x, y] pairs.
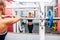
{"points": [[54, 18]]}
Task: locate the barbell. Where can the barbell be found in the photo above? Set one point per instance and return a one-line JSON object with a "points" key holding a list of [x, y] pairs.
{"points": [[49, 18]]}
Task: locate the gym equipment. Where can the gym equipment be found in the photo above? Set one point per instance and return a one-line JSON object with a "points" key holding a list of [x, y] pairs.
{"points": [[54, 18], [50, 20], [54, 27]]}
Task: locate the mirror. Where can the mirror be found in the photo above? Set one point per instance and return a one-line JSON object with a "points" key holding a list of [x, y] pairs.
{"points": [[22, 26]]}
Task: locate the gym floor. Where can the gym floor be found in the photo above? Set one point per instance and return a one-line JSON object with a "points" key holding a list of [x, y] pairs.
{"points": [[33, 36], [52, 37], [22, 36]]}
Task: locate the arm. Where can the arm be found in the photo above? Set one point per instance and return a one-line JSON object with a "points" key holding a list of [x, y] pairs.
{"points": [[12, 20]]}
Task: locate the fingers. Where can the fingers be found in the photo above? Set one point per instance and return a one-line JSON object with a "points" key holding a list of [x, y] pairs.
{"points": [[11, 16], [7, 16]]}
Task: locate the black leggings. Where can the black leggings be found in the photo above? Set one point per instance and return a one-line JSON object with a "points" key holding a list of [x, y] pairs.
{"points": [[2, 37], [30, 28]]}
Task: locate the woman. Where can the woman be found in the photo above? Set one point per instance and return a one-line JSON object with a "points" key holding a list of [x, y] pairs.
{"points": [[5, 22], [30, 23]]}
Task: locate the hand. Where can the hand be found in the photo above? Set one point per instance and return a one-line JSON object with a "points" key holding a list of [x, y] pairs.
{"points": [[7, 16], [17, 17]]}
